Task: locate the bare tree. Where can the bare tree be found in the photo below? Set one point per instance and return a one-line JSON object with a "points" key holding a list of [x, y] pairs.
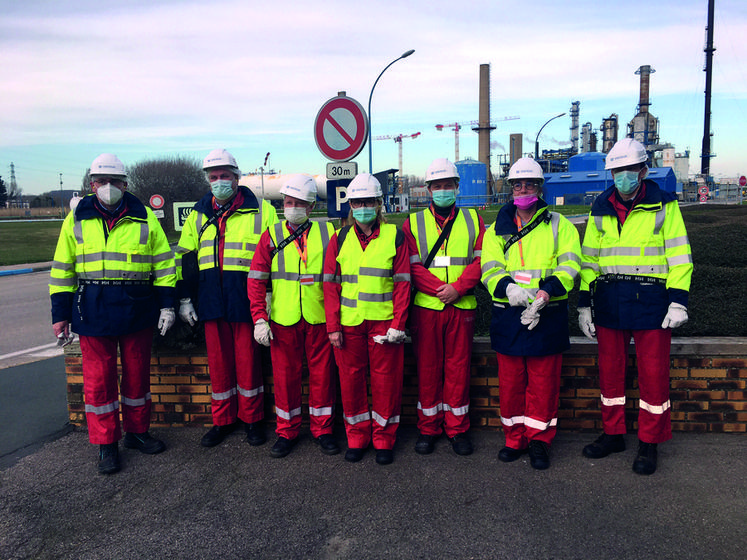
{"points": [[176, 179]]}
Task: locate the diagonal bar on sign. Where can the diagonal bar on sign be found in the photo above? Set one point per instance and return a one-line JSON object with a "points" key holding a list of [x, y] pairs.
{"points": [[339, 129]]}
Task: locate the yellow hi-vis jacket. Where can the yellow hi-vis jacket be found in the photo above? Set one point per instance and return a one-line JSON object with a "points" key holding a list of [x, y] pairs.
{"points": [[111, 282], [634, 271], [221, 286], [455, 253]]}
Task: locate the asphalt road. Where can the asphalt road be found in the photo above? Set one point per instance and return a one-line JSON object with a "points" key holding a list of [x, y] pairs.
{"points": [[25, 319]]}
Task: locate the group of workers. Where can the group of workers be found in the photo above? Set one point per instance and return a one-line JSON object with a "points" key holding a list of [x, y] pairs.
{"points": [[340, 300]]}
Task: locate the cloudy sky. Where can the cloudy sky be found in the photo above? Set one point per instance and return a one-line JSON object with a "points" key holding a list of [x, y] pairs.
{"points": [[148, 78]]}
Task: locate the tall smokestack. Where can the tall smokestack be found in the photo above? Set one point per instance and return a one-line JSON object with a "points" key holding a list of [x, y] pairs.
{"points": [[643, 102], [705, 153], [483, 129]]}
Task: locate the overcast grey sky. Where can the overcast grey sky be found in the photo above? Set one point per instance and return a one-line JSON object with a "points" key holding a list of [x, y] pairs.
{"points": [[155, 78]]}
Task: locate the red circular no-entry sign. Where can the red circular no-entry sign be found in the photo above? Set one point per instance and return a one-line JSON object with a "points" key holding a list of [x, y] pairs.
{"points": [[341, 128], [156, 201]]}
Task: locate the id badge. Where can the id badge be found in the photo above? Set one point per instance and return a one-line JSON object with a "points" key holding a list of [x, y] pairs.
{"points": [[306, 280], [523, 278], [442, 262]]}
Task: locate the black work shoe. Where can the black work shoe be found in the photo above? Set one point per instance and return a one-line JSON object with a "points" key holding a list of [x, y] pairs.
{"points": [[604, 445], [283, 447], [216, 435], [354, 454], [109, 458], [384, 456], [425, 444], [509, 454], [328, 444], [255, 433], [143, 442], [645, 461], [461, 444], [539, 455]]}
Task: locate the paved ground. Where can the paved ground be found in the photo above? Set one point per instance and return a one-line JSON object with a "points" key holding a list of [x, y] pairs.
{"points": [[234, 501]]}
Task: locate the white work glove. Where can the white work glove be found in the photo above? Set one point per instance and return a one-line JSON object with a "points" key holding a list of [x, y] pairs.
{"points": [[531, 316], [262, 332], [166, 319], [394, 336], [676, 316], [187, 311], [517, 296], [585, 323]]}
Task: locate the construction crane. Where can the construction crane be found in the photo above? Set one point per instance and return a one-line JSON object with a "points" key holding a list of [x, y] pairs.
{"points": [[457, 126], [398, 139]]}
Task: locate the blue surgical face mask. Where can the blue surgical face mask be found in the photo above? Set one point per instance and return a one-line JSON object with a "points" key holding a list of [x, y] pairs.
{"points": [[364, 215], [626, 181], [444, 197], [222, 189]]}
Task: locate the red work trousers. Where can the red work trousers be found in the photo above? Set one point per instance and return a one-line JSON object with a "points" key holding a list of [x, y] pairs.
{"points": [[287, 348], [235, 367], [652, 354], [443, 348], [529, 393], [99, 355], [358, 355]]}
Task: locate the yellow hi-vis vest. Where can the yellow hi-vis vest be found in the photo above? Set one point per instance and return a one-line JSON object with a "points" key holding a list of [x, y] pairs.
{"points": [[455, 253], [367, 277], [297, 288]]}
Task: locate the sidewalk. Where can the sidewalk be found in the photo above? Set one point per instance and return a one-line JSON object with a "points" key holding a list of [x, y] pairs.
{"points": [[11, 269], [235, 501]]}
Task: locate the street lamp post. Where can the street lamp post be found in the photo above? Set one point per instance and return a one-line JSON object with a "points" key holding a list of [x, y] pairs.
{"points": [[536, 140], [370, 152]]}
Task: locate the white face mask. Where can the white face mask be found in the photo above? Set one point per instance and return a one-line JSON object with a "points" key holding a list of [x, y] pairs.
{"points": [[108, 194], [295, 215]]}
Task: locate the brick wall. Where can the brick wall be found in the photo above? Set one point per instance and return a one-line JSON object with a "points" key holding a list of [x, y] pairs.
{"points": [[708, 381]]}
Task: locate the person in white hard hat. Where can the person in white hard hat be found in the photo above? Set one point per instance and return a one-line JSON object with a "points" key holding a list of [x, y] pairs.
{"points": [[530, 261], [113, 271], [218, 240], [635, 280], [366, 297], [444, 244], [290, 257]]}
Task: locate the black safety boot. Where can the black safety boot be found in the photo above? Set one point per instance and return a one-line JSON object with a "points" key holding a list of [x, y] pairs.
{"points": [[604, 445], [109, 458], [143, 442], [645, 461]]}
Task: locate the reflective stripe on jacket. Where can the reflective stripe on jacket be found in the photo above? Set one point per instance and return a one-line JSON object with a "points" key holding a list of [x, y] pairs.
{"points": [[111, 282], [455, 253]]}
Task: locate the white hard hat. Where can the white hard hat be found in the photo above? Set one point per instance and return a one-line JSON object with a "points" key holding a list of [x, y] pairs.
{"points": [[625, 152], [526, 168], [441, 168], [108, 164], [220, 158], [300, 186], [364, 185]]}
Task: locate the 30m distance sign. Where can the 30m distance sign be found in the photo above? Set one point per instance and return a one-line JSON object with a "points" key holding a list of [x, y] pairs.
{"points": [[342, 170]]}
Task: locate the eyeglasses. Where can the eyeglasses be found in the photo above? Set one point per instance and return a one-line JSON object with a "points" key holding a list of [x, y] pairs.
{"points": [[528, 185], [100, 181], [360, 202]]}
